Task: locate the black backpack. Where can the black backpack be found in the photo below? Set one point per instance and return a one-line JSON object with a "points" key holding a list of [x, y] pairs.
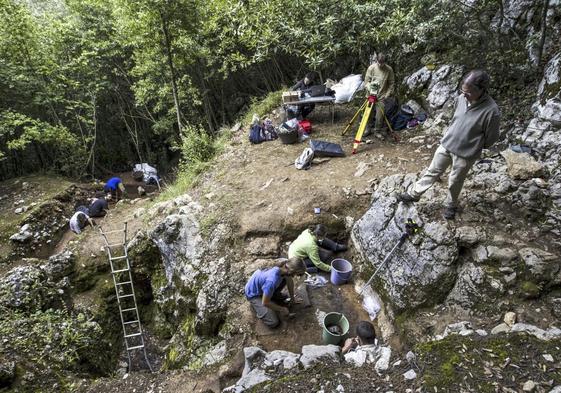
{"points": [[255, 134]]}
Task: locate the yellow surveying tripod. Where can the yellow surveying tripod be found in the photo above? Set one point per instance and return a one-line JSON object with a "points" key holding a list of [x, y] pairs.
{"points": [[370, 102]]}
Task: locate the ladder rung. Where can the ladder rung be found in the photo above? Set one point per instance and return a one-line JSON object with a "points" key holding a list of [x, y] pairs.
{"points": [[118, 258], [132, 335], [113, 231], [128, 309], [123, 283], [115, 245], [128, 295], [137, 347], [128, 323], [120, 271]]}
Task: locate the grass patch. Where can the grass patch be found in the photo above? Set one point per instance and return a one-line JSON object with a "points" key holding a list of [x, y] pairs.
{"points": [[264, 106], [198, 153]]}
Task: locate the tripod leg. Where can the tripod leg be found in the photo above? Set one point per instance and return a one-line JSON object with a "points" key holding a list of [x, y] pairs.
{"points": [[392, 132], [350, 123], [362, 127]]}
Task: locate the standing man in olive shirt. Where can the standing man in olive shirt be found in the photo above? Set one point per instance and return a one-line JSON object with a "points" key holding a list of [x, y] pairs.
{"points": [[379, 80], [475, 126]]}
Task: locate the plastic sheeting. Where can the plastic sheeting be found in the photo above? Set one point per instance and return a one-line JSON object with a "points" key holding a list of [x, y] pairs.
{"points": [[347, 87]]}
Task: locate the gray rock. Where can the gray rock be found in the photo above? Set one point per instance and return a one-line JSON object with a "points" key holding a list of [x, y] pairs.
{"points": [[275, 359], [410, 356], [21, 237], [255, 377], [548, 357], [409, 375], [481, 332], [383, 362], [312, 354], [529, 386], [542, 265], [440, 93], [470, 287], [510, 318], [546, 335], [462, 328], [27, 288], [556, 389], [468, 236], [551, 111], [59, 265], [418, 273], [522, 166], [216, 354], [501, 328], [254, 356], [551, 77], [419, 79]]}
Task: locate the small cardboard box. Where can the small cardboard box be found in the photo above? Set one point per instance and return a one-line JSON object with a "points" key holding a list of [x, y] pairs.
{"points": [[289, 96]]}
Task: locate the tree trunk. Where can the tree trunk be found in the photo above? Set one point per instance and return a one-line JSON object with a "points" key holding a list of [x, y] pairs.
{"points": [[167, 44]]}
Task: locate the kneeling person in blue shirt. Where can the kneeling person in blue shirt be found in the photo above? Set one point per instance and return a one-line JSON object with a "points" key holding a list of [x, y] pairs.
{"points": [[263, 290]]}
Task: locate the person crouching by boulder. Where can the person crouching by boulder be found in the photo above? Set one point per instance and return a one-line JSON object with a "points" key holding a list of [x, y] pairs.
{"points": [[315, 249], [116, 187], [264, 290], [362, 348], [80, 219], [99, 206]]}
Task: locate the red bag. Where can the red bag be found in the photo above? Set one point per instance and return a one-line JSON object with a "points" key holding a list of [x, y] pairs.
{"points": [[306, 126]]}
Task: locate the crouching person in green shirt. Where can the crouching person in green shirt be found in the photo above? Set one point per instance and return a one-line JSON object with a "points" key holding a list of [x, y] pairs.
{"points": [[264, 290], [315, 249]]}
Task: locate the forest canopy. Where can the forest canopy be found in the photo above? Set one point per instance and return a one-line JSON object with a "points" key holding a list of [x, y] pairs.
{"points": [[89, 86]]}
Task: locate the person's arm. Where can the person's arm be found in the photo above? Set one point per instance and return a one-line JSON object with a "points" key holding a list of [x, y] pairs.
{"points": [[391, 84], [297, 86], [266, 300], [350, 343], [290, 287], [313, 254], [368, 76], [492, 130], [90, 221]]}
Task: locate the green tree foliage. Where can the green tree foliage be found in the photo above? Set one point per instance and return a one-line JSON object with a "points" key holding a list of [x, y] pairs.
{"points": [[120, 81]]}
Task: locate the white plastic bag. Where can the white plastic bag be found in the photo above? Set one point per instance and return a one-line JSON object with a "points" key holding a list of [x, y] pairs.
{"points": [[347, 87]]}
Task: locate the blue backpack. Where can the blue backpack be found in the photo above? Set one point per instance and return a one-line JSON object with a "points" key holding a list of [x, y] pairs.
{"points": [[256, 134]]}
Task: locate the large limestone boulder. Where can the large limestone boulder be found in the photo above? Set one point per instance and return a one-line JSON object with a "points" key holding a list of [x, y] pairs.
{"points": [[551, 82], [551, 111], [423, 270], [522, 166], [196, 280], [541, 266]]}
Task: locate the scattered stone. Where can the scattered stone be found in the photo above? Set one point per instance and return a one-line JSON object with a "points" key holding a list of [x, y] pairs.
{"points": [[529, 386], [546, 335], [548, 357], [361, 168], [510, 318], [481, 332], [522, 166], [312, 354], [383, 363], [501, 328], [409, 375], [340, 388], [411, 357], [20, 210]]}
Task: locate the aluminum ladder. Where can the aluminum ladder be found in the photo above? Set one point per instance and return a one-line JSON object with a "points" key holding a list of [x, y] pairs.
{"points": [[124, 289]]}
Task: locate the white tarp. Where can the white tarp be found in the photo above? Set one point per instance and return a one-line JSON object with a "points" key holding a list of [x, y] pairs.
{"points": [[346, 88], [147, 170]]}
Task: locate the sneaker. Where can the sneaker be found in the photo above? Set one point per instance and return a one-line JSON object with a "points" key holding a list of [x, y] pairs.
{"points": [[340, 248], [406, 197], [449, 212]]}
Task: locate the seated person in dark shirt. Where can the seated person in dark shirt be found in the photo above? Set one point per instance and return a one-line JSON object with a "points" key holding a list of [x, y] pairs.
{"points": [[304, 84], [99, 206]]}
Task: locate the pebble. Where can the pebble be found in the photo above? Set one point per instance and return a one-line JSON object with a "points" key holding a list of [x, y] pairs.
{"points": [[410, 356], [548, 357], [529, 386], [510, 318], [340, 388], [411, 374]]}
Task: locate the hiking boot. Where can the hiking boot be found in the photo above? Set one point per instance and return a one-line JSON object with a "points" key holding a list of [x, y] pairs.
{"points": [[340, 247], [449, 212], [406, 197]]}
